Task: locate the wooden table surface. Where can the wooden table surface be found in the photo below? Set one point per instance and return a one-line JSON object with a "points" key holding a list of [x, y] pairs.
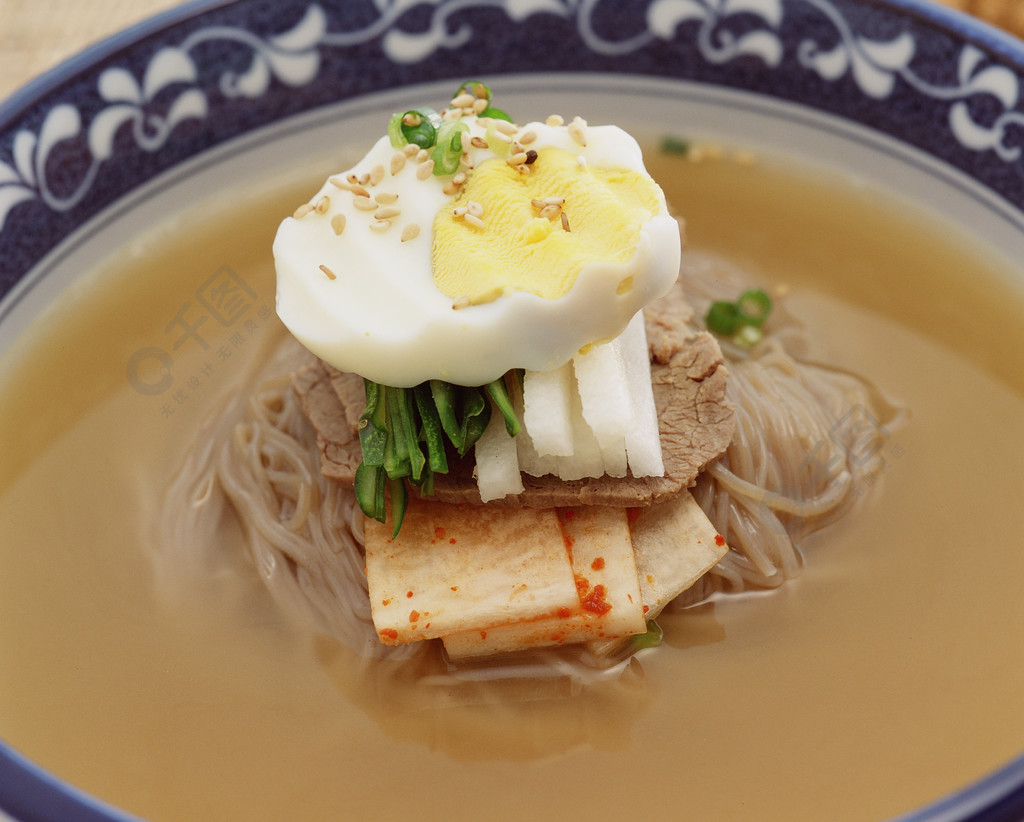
{"points": [[35, 35]]}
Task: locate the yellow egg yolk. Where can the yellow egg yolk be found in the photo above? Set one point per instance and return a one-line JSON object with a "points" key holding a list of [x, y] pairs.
{"points": [[493, 238]]}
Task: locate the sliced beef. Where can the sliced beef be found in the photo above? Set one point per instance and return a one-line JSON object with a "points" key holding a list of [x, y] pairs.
{"points": [[695, 421], [334, 420]]}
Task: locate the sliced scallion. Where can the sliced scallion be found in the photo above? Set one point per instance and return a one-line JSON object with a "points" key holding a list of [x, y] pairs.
{"points": [[754, 306], [499, 394], [448, 150], [670, 144], [748, 336], [651, 638], [723, 318], [399, 502], [741, 320], [410, 429], [476, 413], [397, 424], [496, 114], [431, 431], [444, 400], [417, 126]]}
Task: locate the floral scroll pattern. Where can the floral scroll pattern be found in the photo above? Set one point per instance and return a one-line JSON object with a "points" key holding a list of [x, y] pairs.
{"points": [[719, 31]]}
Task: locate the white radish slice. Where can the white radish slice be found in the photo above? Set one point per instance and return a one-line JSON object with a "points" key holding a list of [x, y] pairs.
{"points": [[546, 408], [595, 415], [643, 443], [530, 462], [586, 459], [604, 391], [497, 461]]}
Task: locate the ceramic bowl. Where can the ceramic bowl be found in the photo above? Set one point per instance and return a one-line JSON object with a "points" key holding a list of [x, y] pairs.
{"points": [[902, 92]]}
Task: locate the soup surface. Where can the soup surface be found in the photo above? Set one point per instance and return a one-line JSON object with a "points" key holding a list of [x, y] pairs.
{"points": [[885, 676]]}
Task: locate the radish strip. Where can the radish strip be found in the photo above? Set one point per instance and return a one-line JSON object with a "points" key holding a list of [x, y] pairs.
{"points": [[497, 462], [547, 399], [643, 443]]}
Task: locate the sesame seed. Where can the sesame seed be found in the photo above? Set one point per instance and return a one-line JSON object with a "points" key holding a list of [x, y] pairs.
{"points": [[322, 205], [302, 211], [397, 162], [478, 142], [528, 137], [474, 221], [474, 208], [505, 127], [411, 150], [364, 203], [410, 232], [387, 213], [338, 223], [386, 197], [377, 174], [555, 120], [463, 100], [565, 221], [330, 274], [425, 170], [380, 226]]}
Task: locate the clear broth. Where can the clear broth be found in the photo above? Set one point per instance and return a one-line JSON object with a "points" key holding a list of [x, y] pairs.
{"points": [[885, 676]]}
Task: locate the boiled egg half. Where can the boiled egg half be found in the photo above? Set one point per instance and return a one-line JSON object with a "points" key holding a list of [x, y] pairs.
{"points": [[547, 239]]}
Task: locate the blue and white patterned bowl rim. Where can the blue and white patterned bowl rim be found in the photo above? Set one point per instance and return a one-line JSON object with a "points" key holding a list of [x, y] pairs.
{"points": [[77, 139]]}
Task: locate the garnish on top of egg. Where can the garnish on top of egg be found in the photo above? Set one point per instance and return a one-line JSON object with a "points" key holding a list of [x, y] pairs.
{"points": [[468, 263], [535, 242]]}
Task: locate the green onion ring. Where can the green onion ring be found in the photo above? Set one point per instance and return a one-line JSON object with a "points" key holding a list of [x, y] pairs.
{"points": [[753, 306], [448, 151], [723, 318], [422, 134]]}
